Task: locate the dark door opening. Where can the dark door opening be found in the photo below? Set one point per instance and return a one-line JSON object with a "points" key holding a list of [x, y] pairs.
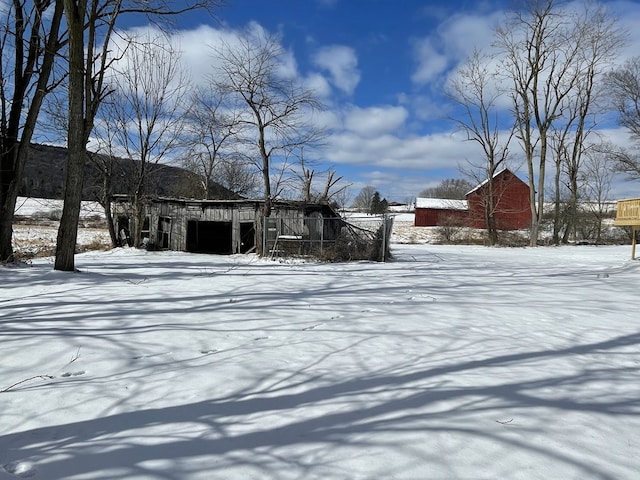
{"points": [[247, 237], [124, 235], [164, 232], [209, 237]]}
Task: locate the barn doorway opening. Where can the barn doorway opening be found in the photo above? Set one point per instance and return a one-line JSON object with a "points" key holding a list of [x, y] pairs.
{"points": [[209, 237], [124, 234], [247, 237]]}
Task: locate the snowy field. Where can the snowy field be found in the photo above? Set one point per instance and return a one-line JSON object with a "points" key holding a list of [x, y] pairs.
{"points": [[36, 227], [451, 362]]}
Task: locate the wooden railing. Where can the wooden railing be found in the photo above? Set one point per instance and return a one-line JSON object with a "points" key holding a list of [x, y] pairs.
{"points": [[628, 212]]}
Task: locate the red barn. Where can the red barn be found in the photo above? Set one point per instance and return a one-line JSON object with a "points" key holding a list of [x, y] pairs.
{"points": [[511, 206], [432, 212]]}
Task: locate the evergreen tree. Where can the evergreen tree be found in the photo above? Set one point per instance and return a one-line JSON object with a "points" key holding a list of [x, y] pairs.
{"points": [[378, 205]]}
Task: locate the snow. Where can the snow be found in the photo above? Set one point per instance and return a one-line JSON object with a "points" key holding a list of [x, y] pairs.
{"points": [[34, 207], [456, 362], [441, 203], [36, 229]]}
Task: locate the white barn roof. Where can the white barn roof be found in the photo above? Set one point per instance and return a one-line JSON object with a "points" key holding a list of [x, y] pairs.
{"points": [[441, 204]]}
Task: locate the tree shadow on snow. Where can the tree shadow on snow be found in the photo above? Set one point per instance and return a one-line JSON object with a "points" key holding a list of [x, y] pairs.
{"points": [[301, 427]]}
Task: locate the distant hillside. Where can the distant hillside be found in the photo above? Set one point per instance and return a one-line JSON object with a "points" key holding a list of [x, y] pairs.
{"points": [[44, 177]]}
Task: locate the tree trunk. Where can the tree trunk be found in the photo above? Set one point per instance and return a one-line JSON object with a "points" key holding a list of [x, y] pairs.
{"points": [[15, 151], [137, 220], [76, 143], [266, 170], [533, 235], [535, 227], [8, 196], [108, 213], [556, 204], [10, 163]]}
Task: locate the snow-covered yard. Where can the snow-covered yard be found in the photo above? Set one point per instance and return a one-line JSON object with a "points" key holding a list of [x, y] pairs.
{"points": [[449, 362]]}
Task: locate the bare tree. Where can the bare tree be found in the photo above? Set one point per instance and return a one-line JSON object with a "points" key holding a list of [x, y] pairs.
{"points": [[474, 90], [623, 85], [332, 188], [29, 43], [213, 129], [541, 50], [331, 183], [363, 200], [277, 109], [340, 199], [238, 176], [595, 182], [91, 25], [306, 177], [107, 165], [449, 188], [146, 113], [599, 38]]}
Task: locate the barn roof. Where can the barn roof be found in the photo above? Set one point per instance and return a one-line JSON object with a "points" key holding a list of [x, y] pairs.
{"points": [[495, 175], [441, 204], [256, 203]]}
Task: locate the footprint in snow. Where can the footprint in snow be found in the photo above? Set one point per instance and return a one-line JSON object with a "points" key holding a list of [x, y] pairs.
{"points": [[311, 327], [421, 296], [73, 374], [20, 469]]}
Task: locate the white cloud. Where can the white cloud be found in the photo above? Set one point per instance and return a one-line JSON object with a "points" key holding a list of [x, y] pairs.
{"points": [[628, 14], [426, 152], [451, 44], [431, 62], [197, 50], [375, 121], [342, 64], [318, 84]]}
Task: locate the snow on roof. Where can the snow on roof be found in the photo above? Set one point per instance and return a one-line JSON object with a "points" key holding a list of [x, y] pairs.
{"points": [[484, 182], [441, 204]]}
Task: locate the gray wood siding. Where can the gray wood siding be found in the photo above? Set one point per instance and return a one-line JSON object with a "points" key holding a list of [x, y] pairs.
{"points": [[181, 212]]}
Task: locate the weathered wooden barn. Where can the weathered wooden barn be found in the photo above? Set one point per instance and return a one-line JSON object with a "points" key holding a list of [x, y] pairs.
{"points": [[512, 209], [223, 226]]}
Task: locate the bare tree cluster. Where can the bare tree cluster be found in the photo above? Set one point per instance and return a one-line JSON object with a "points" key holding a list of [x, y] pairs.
{"points": [[549, 60], [91, 27], [450, 188], [370, 201], [129, 95], [29, 44], [273, 110], [623, 85], [143, 115], [475, 93]]}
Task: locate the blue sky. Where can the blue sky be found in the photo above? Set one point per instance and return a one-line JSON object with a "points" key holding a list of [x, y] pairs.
{"points": [[382, 66]]}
